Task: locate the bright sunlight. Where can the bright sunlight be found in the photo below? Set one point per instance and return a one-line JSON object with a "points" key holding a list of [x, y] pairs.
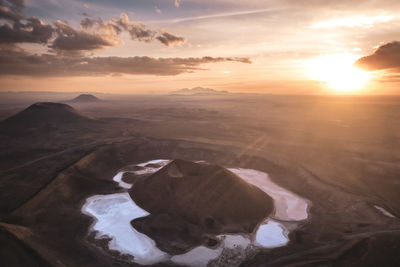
{"points": [[338, 72]]}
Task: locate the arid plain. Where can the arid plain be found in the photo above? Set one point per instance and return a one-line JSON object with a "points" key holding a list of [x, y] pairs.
{"points": [[339, 152]]}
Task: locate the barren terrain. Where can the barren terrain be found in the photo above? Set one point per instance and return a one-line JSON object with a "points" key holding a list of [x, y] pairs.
{"points": [[341, 153]]}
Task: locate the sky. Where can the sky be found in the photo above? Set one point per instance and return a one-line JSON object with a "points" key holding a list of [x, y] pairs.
{"points": [[155, 46]]}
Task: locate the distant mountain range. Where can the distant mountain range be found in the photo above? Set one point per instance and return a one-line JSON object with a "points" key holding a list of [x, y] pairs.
{"points": [[85, 98], [197, 91]]}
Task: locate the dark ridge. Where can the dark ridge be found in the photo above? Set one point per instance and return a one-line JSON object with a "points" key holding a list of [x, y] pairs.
{"points": [[46, 113]]}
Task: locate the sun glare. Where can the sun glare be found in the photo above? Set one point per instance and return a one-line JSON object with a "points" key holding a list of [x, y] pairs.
{"points": [[338, 72]]}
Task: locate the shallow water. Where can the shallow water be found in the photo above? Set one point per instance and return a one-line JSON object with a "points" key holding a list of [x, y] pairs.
{"points": [[384, 212], [118, 178], [113, 214], [271, 234], [162, 162], [150, 170], [198, 256], [288, 206]]}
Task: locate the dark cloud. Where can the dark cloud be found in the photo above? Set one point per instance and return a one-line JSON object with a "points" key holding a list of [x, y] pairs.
{"points": [[11, 9], [87, 22], [32, 31], [20, 30], [136, 30], [92, 35], [169, 39], [8, 14], [98, 25], [237, 59], [386, 56], [19, 62], [72, 40]]}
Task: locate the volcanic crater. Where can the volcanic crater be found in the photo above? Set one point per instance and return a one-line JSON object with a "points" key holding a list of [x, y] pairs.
{"points": [[191, 203]]}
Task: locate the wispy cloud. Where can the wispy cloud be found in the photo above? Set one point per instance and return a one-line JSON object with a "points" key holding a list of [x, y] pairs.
{"points": [[221, 15], [352, 22]]}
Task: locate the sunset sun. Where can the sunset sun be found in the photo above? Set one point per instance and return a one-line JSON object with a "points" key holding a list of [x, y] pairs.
{"points": [[337, 71]]}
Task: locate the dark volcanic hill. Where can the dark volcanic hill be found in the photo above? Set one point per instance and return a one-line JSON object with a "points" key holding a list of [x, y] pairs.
{"points": [[196, 200], [46, 113], [85, 98]]}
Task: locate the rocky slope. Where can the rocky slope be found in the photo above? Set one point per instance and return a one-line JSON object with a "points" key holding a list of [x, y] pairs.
{"points": [[194, 202]]}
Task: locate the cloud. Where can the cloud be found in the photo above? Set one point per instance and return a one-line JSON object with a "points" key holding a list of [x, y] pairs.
{"points": [[177, 3], [20, 63], [353, 21], [67, 44], [97, 34], [11, 9], [33, 31], [8, 14], [170, 39], [92, 34], [21, 30], [136, 30], [157, 10], [72, 40], [386, 57], [224, 15], [140, 32], [390, 78]]}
